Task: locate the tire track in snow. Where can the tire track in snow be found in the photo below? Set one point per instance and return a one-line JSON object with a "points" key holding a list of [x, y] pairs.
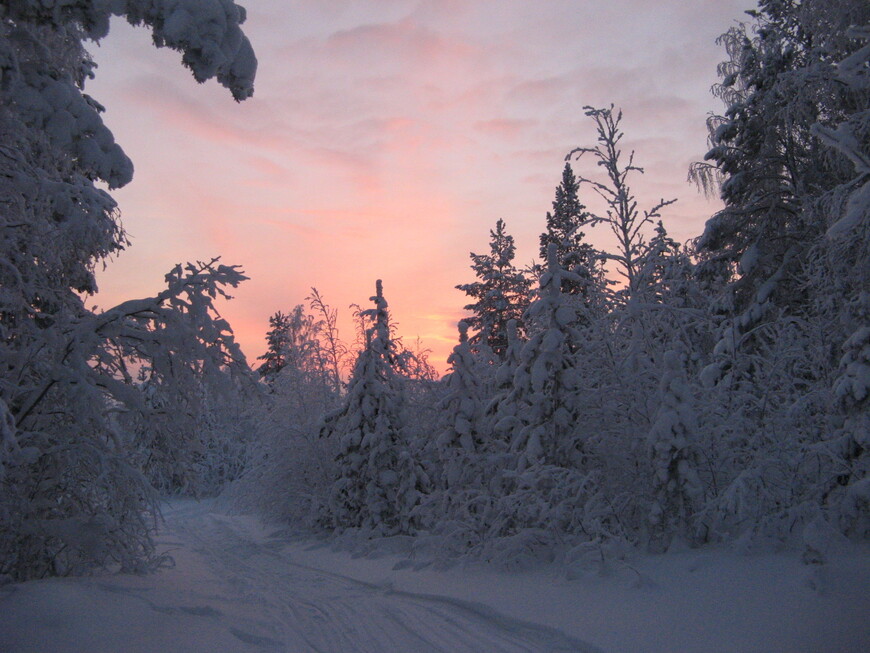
{"points": [[332, 613]]}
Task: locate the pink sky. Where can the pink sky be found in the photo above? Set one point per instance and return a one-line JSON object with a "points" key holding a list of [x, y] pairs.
{"points": [[386, 137]]}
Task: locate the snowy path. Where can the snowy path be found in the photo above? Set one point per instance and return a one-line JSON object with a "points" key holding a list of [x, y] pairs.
{"points": [[317, 610], [233, 589]]}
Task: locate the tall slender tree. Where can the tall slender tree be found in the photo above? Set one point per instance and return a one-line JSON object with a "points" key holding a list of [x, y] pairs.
{"points": [[501, 294], [626, 220], [379, 480], [277, 339], [564, 226]]}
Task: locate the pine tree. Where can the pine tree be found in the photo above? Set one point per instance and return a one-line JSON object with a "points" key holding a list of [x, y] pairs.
{"points": [[500, 413], [277, 340], [563, 230], [294, 345], [665, 270], [500, 295], [672, 443], [541, 489], [380, 482], [546, 422], [463, 406]]}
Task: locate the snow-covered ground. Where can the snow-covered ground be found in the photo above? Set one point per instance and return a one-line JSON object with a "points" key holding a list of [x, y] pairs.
{"points": [[237, 586]]}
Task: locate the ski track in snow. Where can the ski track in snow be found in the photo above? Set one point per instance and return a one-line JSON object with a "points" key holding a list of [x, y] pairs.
{"points": [[330, 612]]}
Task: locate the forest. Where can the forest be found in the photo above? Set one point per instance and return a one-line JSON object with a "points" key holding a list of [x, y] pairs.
{"points": [[655, 396]]}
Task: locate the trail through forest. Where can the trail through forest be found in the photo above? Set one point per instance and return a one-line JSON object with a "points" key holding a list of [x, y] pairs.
{"points": [[232, 589], [304, 608]]}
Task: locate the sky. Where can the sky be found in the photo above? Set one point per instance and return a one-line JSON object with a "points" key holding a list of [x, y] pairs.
{"points": [[385, 138]]}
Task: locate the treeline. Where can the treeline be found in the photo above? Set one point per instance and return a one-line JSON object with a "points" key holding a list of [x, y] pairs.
{"points": [[717, 392]]}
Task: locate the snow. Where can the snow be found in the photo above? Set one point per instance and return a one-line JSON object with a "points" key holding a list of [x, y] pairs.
{"points": [[239, 586]]}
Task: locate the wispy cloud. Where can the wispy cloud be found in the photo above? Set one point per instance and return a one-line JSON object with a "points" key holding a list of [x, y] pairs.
{"points": [[386, 137]]}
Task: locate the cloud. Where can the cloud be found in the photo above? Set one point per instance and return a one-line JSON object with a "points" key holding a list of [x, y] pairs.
{"points": [[266, 167], [504, 127], [405, 42]]}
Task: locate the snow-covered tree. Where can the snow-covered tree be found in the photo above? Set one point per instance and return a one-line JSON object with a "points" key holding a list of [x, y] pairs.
{"points": [[779, 85], [673, 442], [277, 338], [623, 217], [73, 495], [500, 295], [380, 482], [290, 468], [463, 406], [850, 448], [71, 498], [190, 435], [294, 349], [500, 405], [668, 310], [780, 178], [664, 269], [540, 489], [547, 427], [564, 225], [787, 260], [846, 258], [333, 352]]}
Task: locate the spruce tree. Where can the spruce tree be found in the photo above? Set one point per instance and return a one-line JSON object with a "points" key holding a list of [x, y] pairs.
{"points": [[501, 412], [673, 451], [501, 294], [294, 345], [277, 340], [463, 406], [379, 481], [563, 230], [546, 421]]}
